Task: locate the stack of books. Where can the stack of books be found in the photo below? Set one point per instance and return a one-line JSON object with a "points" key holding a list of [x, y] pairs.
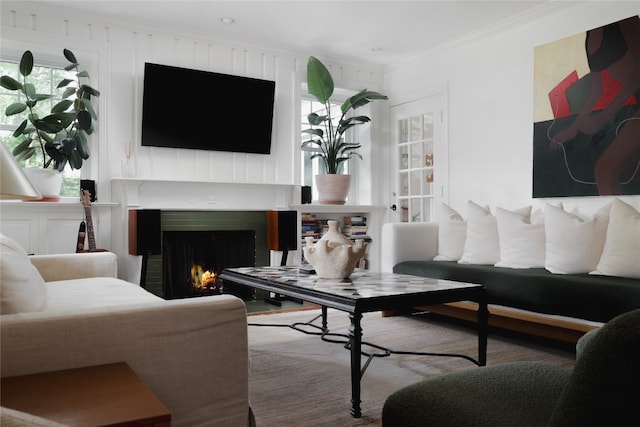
{"points": [[309, 226], [355, 227]]}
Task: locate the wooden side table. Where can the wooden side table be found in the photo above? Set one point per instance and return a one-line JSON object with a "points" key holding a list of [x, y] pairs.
{"points": [[92, 396]]}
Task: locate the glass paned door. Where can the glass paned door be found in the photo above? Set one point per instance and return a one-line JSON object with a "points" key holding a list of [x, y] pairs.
{"points": [[417, 142]]}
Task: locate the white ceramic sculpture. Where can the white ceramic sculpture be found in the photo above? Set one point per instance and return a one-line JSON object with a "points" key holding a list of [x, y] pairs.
{"points": [[334, 256]]}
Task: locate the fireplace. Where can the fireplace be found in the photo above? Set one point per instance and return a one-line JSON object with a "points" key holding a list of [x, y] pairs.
{"points": [[217, 240], [192, 261]]}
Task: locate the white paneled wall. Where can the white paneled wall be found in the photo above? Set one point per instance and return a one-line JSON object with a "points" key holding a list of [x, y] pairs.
{"points": [[120, 51], [126, 48]]}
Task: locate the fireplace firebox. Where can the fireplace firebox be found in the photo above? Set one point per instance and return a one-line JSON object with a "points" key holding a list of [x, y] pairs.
{"points": [[192, 261]]}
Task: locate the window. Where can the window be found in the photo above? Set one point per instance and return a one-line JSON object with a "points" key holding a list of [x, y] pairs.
{"points": [[311, 167], [45, 80]]}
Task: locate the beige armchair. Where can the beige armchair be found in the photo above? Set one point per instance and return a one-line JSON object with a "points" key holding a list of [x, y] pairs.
{"points": [[192, 353]]}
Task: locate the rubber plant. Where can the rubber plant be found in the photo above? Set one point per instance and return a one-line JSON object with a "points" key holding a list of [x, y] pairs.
{"points": [[328, 135], [60, 138]]}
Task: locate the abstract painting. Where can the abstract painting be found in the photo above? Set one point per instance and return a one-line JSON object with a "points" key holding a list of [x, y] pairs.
{"points": [[586, 137]]}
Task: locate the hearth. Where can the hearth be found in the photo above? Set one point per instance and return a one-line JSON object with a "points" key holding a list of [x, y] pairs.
{"points": [[192, 261]]}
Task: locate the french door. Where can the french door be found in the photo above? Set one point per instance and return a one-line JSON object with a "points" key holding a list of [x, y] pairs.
{"points": [[420, 155]]}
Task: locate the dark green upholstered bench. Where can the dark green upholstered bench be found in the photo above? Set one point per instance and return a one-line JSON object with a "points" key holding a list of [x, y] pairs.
{"points": [[600, 391]]}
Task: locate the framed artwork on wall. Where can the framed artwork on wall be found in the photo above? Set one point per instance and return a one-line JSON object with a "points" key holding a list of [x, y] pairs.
{"points": [[586, 131]]}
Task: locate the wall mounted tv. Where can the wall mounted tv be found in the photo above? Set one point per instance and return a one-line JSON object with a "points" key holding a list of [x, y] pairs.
{"points": [[203, 110]]}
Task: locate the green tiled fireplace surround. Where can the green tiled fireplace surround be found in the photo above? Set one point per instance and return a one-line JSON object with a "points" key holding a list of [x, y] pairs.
{"points": [[208, 221]]}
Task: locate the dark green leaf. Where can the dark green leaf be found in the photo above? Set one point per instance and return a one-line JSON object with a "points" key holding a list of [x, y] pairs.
{"points": [[20, 129], [314, 131], [10, 83], [82, 146], [47, 127], [54, 151], [64, 83], [26, 154], [315, 120], [62, 106], [70, 56], [63, 119], [75, 160], [68, 145], [82, 74], [360, 99], [70, 67], [22, 146], [14, 109], [88, 89], [41, 96], [319, 81], [26, 63], [89, 107], [84, 121], [29, 90], [68, 92], [61, 165], [46, 137]]}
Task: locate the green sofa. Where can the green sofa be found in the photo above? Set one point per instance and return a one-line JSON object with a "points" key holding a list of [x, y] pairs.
{"points": [[584, 296], [409, 248]]}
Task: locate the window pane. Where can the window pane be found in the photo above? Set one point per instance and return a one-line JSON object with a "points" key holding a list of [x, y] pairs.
{"points": [[416, 155], [45, 80], [404, 157]]}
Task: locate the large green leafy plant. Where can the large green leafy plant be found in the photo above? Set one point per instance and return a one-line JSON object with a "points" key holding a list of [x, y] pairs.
{"points": [[60, 137], [327, 135]]}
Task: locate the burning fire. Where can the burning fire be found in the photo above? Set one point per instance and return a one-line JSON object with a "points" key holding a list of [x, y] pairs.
{"points": [[201, 278]]}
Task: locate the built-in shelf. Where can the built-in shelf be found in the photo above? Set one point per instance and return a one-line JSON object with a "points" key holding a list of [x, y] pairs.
{"points": [[62, 204], [319, 208]]}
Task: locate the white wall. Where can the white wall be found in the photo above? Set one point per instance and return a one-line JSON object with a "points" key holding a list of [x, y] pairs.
{"points": [[490, 79], [123, 50]]}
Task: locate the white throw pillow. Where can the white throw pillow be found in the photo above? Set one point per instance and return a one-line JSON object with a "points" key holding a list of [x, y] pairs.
{"points": [[481, 245], [574, 244], [22, 287], [452, 232], [621, 253], [522, 241]]}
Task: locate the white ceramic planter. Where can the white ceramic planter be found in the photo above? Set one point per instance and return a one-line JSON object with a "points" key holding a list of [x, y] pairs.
{"points": [[47, 181], [333, 189]]}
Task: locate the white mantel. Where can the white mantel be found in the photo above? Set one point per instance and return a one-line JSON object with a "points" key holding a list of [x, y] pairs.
{"points": [[135, 193], [138, 193]]}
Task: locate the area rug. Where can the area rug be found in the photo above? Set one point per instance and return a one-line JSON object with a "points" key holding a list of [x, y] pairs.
{"points": [[299, 380]]}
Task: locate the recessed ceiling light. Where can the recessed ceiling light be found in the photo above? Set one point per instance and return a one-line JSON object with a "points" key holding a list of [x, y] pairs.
{"points": [[227, 20]]}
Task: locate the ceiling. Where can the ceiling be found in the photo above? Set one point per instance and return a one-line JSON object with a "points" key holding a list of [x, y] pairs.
{"points": [[377, 32]]}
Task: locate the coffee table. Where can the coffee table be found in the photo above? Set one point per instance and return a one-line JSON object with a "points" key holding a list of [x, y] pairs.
{"points": [[364, 291]]}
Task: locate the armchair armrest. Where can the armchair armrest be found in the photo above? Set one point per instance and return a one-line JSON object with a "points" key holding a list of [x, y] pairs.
{"points": [[76, 266], [408, 241], [192, 353]]}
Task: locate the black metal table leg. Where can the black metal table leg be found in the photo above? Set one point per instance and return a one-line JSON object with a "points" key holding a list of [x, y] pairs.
{"points": [[355, 341], [325, 326], [483, 330]]}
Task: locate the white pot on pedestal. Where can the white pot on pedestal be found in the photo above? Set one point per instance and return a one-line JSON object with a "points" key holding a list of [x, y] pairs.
{"points": [[47, 181], [333, 189]]}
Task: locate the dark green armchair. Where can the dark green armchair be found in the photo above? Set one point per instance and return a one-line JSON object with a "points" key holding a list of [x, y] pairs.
{"points": [[603, 389]]}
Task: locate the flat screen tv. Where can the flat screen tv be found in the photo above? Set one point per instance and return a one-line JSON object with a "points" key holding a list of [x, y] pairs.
{"points": [[203, 110]]}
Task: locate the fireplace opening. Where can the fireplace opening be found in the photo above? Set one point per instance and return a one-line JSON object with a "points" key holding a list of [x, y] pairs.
{"points": [[192, 261]]}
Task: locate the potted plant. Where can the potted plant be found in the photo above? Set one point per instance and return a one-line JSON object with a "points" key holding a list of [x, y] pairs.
{"points": [[60, 138], [327, 137]]}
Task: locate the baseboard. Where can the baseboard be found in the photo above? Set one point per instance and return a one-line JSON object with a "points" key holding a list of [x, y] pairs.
{"points": [[564, 330]]}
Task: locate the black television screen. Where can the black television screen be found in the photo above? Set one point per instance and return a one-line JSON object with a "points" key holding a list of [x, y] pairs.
{"points": [[203, 110]]}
